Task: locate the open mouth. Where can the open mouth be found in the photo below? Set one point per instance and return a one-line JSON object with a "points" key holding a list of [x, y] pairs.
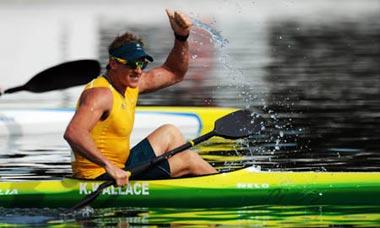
{"points": [[134, 77]]}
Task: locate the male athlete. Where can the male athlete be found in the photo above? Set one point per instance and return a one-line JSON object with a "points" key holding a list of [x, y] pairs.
{"points": [[99, 132]]}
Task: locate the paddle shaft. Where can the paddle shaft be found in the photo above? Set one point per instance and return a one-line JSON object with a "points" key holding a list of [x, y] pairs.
{"points": [[15, 89], [142, 168]]}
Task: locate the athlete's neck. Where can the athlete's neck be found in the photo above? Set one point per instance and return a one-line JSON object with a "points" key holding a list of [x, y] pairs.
{"points": [[115, 85]]}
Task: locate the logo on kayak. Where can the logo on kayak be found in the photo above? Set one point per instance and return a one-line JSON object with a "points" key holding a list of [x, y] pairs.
{"points": [[137, 188], [8, 191], [252, 185]]}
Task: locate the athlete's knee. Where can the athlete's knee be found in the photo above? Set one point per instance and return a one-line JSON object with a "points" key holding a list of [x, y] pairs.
{"points": [[170, 128], [172, 131]]}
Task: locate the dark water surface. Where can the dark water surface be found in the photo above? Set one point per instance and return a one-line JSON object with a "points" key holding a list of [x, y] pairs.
{"points": [[253, 216], [317, 84]]}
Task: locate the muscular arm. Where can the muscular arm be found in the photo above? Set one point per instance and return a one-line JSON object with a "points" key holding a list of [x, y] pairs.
{"points": [[171, 72], [176, 65], [94, 105]]}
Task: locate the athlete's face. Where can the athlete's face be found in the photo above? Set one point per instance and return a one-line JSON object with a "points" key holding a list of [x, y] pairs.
{"points": [[129, 74], [130, 77]]}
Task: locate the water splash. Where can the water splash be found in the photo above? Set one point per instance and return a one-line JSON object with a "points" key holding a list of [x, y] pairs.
{"points": [[236, 79], [216, 37]]}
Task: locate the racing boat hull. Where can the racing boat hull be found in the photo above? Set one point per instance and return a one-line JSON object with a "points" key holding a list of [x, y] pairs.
{"points": [[244, 187]]}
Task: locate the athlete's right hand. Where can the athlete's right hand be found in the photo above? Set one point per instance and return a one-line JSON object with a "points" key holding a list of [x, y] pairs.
{"points": [[119, 175]]}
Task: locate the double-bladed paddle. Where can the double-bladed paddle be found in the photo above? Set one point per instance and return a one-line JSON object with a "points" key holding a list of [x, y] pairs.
{"points": [[61, 76], [236, 125]]}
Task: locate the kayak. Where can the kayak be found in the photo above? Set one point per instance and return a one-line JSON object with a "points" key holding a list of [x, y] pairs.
{"points": [[245, 187], [192, 121]]}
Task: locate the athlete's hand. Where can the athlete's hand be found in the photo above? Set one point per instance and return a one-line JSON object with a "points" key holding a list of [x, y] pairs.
{"points": [[120, 176], [180, 22]]}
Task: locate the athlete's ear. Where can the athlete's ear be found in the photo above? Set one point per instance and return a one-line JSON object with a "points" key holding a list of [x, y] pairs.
{"points": [[112, 64]]}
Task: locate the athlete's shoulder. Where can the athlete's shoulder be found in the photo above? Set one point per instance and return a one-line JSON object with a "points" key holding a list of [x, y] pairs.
{"points": [[100, 81], [99, 97]]}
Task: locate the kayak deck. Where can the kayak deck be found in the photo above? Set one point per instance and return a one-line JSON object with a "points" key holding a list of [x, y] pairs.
{"points": [[245, 187]]}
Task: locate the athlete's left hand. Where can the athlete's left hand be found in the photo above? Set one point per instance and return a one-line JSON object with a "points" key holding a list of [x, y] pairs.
{"points": [[180, 22]]}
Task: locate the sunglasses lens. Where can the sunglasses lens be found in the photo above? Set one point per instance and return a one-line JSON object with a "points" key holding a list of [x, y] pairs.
{"points": [[144, 65], [140, 64]]}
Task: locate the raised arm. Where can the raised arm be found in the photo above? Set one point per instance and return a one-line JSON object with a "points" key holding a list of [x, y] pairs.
{"points": [[176, 64]]}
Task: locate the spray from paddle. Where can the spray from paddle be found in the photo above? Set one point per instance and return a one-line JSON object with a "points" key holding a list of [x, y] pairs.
{"points": [[237, 78], [216, 37]]}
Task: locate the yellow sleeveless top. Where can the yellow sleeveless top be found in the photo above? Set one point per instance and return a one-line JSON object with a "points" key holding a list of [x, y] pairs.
{"points": [[112, 135]]}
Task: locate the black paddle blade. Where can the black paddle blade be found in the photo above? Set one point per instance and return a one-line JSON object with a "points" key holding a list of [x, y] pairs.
{"points": [[239, 124], [62, 76]]}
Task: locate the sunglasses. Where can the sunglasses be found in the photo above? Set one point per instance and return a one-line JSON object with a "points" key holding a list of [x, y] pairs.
{"points": [[133, 64]]}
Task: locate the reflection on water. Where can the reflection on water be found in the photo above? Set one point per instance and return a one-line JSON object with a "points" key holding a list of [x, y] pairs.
{"points": [[268, 216], [34, 157]]}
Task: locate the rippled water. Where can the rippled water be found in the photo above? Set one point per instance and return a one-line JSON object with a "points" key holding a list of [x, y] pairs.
{"points": [[317, 82], [260, 216]]}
